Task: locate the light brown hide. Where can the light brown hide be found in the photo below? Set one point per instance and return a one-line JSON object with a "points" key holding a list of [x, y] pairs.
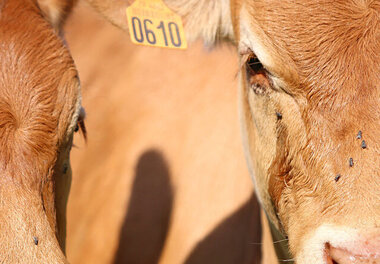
{"points": [[163, 153], [324, 56], [56, 11]]}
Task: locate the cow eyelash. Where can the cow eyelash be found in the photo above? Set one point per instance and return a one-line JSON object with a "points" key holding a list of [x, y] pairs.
{"points": [[253, 64], [80, 126]]}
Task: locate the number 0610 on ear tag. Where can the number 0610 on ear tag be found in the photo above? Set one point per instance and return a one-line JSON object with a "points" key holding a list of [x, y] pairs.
{"points": [[152, 23]]}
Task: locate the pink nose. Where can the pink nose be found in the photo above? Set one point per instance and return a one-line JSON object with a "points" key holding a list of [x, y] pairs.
{"points": [[363, 251]]}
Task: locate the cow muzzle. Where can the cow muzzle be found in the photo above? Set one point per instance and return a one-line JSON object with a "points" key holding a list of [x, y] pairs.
{"points": [[341, 245], [363, 250]]}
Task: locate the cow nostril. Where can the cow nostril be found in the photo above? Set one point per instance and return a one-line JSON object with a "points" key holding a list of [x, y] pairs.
{"points": [[329, 260], [336, 255], [333, 261]]}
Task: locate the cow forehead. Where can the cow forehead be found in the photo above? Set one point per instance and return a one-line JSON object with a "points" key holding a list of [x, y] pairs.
{"points": [[330, 44], [38, 89]]}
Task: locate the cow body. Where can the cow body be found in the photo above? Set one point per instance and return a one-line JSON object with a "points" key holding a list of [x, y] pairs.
{"points": [[309, 92], [148, 186]]}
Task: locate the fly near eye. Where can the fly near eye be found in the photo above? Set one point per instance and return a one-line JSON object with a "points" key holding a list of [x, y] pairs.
{"points": [[254, 65]]}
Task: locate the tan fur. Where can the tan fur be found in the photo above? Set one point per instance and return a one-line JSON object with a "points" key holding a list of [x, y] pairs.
{"points": [[324, 61], [148, 186], [56, 11], [39, 101], [209, 20]]}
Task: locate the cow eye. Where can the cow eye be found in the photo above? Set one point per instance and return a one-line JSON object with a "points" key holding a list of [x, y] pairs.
{"points": [[257, 76], [254, 65]]}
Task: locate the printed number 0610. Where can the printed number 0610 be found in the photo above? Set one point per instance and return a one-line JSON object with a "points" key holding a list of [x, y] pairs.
{"points": [[140, 28]]}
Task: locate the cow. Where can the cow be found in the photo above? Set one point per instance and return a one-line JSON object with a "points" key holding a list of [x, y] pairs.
{"points": [[148, 186], [309, 111], [40, 107]]}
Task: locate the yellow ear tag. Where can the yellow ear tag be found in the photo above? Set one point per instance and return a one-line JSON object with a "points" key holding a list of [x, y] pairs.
{"points": [[152, 23]]}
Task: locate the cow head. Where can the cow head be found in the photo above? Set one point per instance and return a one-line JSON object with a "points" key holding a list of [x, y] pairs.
{"points": [[310, 114], [310, 87], [39, 111]]}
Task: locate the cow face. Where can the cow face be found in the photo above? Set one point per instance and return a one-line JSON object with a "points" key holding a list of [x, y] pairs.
{"points": [[309, 95], [39, 110]]}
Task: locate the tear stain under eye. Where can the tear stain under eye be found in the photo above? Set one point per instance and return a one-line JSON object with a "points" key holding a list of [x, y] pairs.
{"points": [[280, 169], [258, 89]]}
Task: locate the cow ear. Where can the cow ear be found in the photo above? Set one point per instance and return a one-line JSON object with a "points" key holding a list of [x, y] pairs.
{"points": [[209, 20], [56, 11]]}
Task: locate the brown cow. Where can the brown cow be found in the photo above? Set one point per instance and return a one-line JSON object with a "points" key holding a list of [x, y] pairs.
{"points": [[309, 106], [148, 186], [39, 109]]}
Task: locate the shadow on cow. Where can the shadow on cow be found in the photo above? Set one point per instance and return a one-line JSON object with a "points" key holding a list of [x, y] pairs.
{"points": [[146, 223], [145, 227]]}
